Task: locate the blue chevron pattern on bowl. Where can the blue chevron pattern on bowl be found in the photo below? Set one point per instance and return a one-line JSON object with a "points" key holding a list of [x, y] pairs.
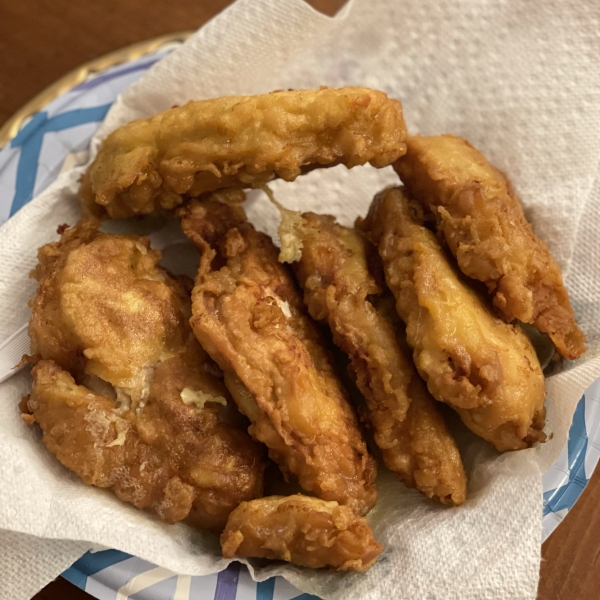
{"points": [[57, 138], [114, 575], [36, 155]]}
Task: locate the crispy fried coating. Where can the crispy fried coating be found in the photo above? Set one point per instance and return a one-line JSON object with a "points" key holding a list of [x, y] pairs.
{"points": [[484, 368], [174, 460], [240, 141], [103, 306], [147, 416], [248, 314], [483, 223], [338, 289], [305, 531]]}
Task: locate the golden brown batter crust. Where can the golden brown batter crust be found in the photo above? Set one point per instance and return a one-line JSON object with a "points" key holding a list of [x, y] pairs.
{"points": [[240, 141], [483, 223], [305, 531], [484, 368], [339, 290], [146, 417], [248, 314]]}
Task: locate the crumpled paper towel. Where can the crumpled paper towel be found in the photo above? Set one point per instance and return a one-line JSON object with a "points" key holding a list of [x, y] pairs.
{"points": [[521, 83]]}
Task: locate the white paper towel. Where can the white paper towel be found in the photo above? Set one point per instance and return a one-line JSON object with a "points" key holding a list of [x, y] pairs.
{"points": [[520, 81]]}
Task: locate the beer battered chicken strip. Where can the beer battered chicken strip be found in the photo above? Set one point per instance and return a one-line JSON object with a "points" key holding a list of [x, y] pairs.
{"points": [[483, 223], [248, 314], [484, 368], [125, 396], [240, 141], [338, 289], [305, 531]]}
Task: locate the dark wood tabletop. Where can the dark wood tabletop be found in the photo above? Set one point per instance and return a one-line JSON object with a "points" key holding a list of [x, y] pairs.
{"points": [[42, 40]]}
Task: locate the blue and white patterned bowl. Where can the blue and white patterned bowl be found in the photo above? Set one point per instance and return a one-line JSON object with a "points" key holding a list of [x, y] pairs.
{"points": [[56, 138]]}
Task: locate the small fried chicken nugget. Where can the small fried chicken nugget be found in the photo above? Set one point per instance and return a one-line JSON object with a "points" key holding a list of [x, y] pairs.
{"points": [[339, 290], [146, 417], [305, 531], [240, 141], [484, 368], [248, 314], [481, 218]]}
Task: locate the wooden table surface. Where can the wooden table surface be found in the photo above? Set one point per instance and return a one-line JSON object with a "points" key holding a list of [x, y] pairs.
{"points": [[41, 40]]}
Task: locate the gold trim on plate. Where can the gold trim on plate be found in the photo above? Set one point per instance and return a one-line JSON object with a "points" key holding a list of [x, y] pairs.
{"points": [[10, 129]]}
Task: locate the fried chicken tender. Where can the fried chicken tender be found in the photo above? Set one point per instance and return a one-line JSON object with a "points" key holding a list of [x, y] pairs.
{"points": [[103, 306], [484, 368], [338, 289], [147, 416], [305, 531], [240, 141], [248, 314], [483, 223]]}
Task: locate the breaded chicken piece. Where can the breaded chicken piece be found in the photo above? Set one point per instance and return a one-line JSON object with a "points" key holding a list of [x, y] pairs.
{"points": [[240, 141], [248, 314], [483, 223], [305, 531], [104, 307], [147, 416], [339, 290], [174, 459], [484, 368]]}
